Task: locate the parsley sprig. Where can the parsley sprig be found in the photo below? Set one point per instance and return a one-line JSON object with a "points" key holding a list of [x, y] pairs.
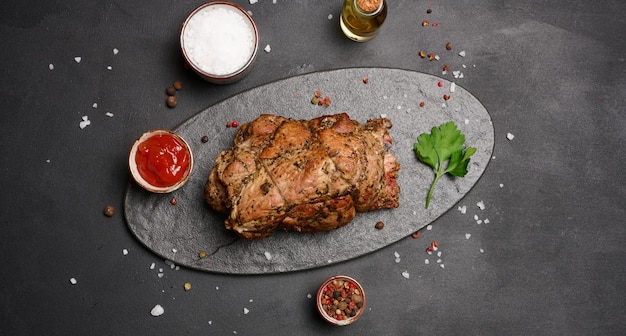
{"points": [[444, 143]]}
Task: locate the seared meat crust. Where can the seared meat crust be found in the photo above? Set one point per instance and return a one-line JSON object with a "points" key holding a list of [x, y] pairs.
{"points": [[303, 175]]}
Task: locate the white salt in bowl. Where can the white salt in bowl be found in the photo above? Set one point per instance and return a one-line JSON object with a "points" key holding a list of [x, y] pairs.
{"points": [[219, 41]]}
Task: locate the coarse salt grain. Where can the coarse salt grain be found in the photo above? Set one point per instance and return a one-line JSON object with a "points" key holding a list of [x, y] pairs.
{"points": [[157, 310], [125, 251], [77, 59], [486, 221], [462, 53], [109, 67], [442, 265], [330, 16], [219, 40], [452, 87], [152, 266], [115, 51], [481, 205], [463, 209], [252, 2], [405, 274], [246, 311], [501, 185], [308, 296], [468, 235], [429, 227], [267, 48], [510, 136], [268, 255], [51, 66], [73, 281], [85, 122], [109, 114], [466, 121], [426, 261], [95, 105]]}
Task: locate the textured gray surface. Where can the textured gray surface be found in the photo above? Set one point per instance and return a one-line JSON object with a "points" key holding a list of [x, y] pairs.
{"points": [[179, 232]]}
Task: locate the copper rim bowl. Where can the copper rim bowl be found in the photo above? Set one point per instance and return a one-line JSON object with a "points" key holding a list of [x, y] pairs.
{"points": [[204, 73], [132, 164], [320, 296]]}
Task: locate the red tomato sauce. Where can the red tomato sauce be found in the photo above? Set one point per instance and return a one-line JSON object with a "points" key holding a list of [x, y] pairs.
{"points": [[162, 160]]}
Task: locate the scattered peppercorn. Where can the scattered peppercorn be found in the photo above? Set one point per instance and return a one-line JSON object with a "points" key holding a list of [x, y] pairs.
{"points": [[173, 201], [318, 94], [205, 139], [415, 235], [365, 80], [422, 54], [446, 97], [187, 286], [379, 225], [448, 46], [428, 11], [327, 101], [425, 23], [431, 57], [439, 84], [171, 102], [422, 104], [109, 211], [446, 67], [178, 85], [202, 254], [170, 91]]}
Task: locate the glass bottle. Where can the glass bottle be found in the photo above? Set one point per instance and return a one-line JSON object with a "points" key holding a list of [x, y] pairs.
{"points": [[361, 19]]}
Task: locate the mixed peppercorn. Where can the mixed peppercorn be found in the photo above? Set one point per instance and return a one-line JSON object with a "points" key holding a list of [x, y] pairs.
{"points": [[341, 299]]}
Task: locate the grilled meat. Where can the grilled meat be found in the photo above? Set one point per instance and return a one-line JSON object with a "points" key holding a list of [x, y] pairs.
{"points": [[303, 175]]}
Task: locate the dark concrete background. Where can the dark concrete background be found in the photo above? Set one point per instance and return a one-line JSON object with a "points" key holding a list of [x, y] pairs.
{"points": [[549, 262]]}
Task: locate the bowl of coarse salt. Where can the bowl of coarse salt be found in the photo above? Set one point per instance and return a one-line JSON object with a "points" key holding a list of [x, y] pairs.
{"points": [[219, 41]]}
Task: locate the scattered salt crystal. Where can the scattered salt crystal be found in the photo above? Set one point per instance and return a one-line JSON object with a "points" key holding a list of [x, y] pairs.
{"points": [[475, 217], [461, 75], [439, 261], [383, 115], [480, 221], [252, 2], [464, 66], [125, 251], [330, 16], [396, 254], [468, 235], [399, 107], [48, 161], [152, 266], [429, 227], [217, 288], [160, 275], [51, 66], [429, 252], [177, 267], [442, 266], [426, 261], [463, 209], [308, 296], [452, 87], [481, 205], [501, 185], [405, 274], [268, 255], [245, 311], [85, 122], [267, 48], [439, 254], [161, 270], [482, 251], [443, 105], [109, 67], [437, 57], [73, 281], [466, 121], [115, 51], [274, 2], [77, 59], [510, 136], [444, 72], [251, 300], [109, 114], [462, 53], [210, 322], [486, 221], [174, 250], [398, 260], [157, 310], [95, 105]]}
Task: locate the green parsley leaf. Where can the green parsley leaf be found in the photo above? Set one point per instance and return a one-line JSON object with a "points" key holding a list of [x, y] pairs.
{"points": [[444, 144]]}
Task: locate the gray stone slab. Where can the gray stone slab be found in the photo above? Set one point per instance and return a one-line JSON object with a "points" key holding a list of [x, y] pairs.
{"points": [[178, 232]]}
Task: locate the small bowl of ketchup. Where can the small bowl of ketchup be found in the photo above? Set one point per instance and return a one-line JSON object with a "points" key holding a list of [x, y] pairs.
{"points": [[160, 161]]}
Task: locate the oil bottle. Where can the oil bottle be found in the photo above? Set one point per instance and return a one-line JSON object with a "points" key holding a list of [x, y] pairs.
{"points": [[361, 19]]}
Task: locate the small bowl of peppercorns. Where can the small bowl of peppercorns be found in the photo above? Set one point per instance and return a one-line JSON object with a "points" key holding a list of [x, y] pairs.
{"points": [[340, 300]]}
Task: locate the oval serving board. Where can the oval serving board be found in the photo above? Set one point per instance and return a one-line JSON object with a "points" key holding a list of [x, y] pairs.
{"points": [[179, 232]]}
